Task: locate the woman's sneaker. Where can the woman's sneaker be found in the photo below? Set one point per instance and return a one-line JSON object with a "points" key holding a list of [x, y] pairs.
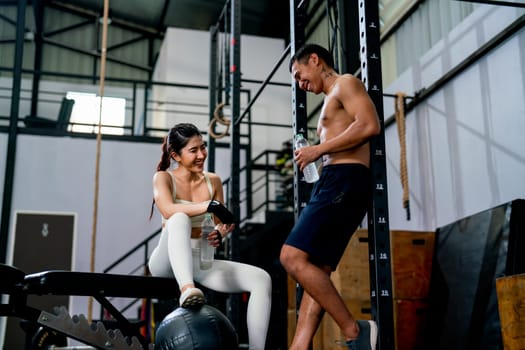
{"points": [[192, 297], [367, 336]]}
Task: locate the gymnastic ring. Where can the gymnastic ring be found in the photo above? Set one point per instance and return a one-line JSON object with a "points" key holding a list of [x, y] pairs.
{"points": [[218, 117]]}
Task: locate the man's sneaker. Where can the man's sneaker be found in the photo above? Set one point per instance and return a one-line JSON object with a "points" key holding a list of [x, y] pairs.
{"points": [[192, 297], [367, 336]]}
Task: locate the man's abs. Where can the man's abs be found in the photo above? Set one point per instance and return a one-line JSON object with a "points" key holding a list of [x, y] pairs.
{"points": [[359, 155]]}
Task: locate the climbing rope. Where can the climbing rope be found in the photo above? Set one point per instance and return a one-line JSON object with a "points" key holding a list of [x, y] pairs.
{"points": [[99, 139], [218, 117], [401, 130]]}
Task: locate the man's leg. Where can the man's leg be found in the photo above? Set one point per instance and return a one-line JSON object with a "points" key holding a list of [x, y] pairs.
{"points": [[310, 316], [316, 282]]}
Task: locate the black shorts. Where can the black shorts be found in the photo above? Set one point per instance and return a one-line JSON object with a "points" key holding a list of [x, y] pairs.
{"points": [[338, 204]]}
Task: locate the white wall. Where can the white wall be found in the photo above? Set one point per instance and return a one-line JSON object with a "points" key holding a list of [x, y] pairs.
{"points": [[185, 58], [57, 174], [465, 148]]}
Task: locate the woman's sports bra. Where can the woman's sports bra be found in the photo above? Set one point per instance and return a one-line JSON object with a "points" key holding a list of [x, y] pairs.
{"points": [[195, 220]]}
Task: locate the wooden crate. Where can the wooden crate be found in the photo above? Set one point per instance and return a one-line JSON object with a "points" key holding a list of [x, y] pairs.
{"points": [[411, 263], [409, 323], [292, 323], [352, 277], [511, 306], [292, 287], [352, 280], [329, 332]]}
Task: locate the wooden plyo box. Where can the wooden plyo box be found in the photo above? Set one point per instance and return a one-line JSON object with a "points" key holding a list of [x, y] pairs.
{"points": [[511, 306], [328, 335], [411, 263], [352, 276], [409, 323], [352, 280]]}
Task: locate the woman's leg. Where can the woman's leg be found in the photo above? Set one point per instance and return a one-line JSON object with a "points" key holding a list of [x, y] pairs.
{"points": [[179, 248], [172, 256], [159, 261], [232, 277]]}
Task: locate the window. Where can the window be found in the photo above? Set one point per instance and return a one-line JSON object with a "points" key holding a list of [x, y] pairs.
{"points": [[85, 114], [390, 11]]}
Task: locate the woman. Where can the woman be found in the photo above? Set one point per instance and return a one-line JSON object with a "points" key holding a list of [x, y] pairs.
{"points": [[182, 196]]}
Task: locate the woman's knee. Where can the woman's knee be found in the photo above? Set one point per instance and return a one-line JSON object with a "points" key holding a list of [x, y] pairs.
{"points": [[179, 217], [262, 281], [266, 279], [178, 220]]}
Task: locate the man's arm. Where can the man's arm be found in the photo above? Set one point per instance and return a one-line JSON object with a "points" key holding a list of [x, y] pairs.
{"points": [[357, 102]]}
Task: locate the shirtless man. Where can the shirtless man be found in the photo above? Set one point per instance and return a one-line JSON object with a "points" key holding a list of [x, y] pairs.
{"points": [[339, 199]]}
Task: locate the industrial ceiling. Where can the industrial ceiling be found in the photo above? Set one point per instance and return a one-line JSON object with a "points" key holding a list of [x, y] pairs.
{"points": [[269, 18]]}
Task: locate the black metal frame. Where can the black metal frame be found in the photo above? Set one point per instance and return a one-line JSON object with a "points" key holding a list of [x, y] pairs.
{"points": [[12, 140], [298, 20], [234, 188], [213, 99], [378, 220], [379, 240]]}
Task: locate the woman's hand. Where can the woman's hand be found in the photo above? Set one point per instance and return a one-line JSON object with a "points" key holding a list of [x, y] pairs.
{"points": [[224, 229], [221, 230]]}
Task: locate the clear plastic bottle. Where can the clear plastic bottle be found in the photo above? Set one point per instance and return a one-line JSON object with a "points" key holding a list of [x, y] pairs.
{"points": [[310, 171], [207, 251]]}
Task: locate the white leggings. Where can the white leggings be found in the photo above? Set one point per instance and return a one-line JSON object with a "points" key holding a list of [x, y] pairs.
{"points": [[174, 257]]}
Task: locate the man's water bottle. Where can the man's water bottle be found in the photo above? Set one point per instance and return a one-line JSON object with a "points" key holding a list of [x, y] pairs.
{"points": [[207, 251], [310, 171]]}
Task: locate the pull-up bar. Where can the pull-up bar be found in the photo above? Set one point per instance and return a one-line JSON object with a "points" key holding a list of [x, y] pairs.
{"points": [[497, 3]]}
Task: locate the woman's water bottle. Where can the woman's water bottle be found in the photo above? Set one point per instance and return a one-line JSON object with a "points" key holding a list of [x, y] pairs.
{"points": [[310, 171], [207, 251]]}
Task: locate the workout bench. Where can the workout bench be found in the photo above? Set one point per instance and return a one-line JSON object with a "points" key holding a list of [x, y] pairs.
{"points": [[100, 286]]}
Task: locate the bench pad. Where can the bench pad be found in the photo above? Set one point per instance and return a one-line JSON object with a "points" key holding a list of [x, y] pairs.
{"points": [[11, 278], [100, 284]]}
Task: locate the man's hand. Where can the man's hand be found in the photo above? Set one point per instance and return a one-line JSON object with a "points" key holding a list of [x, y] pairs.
{"points": [[306, 155]]}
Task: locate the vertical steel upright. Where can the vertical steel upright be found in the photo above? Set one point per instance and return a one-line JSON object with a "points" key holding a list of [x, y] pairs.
{"points": [[38, 9], [234, 195], [13, 129], [348, 22], [213, 93], [299, 114], [378, 224]]}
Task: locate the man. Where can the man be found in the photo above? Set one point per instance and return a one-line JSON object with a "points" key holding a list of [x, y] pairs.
{"points": [[339, 200]]}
